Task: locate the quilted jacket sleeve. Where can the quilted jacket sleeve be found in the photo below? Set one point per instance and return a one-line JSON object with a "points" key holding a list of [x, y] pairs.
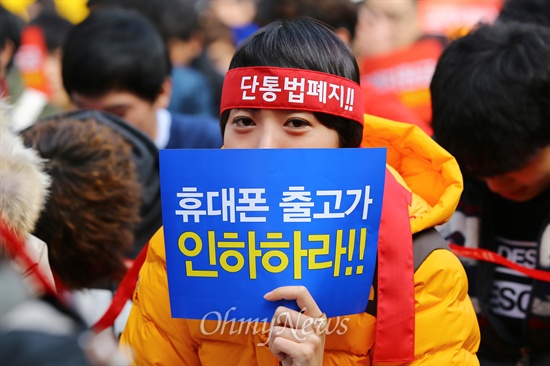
{"points": [[446, 328], [447, 332]]}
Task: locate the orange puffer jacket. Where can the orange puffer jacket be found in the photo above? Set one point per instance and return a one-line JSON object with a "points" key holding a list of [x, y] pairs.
{"points": [[446, 330]]}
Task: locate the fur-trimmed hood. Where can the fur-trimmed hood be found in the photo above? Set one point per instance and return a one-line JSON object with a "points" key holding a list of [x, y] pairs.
{"points": [[23, 183], [23, 190]]}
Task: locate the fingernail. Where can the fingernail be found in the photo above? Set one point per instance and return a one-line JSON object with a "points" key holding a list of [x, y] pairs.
{"points": [[268, 295]]}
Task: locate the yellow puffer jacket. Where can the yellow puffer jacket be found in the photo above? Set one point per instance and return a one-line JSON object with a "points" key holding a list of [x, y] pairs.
{"points": [[446, 330]]}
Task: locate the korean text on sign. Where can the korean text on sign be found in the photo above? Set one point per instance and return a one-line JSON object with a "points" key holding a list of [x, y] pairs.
{"points": [[240, 230]]}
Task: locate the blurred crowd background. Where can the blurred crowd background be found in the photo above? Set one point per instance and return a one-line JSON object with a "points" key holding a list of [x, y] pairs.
{"points": [[396, 43]]}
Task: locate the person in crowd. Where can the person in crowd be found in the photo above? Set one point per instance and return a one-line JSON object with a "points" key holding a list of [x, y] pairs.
{"points": [[224, 25], [238, 15], [23, 190], [37, 324], [10, 40], [179, 25], [342, 16], [54, 30], [33, 330], [396, 25], [425, 182], [219, 45], [101, 171], [93, 208], [490, 106], [116, 61], [27, 103], [144, 156], [395, 55]]}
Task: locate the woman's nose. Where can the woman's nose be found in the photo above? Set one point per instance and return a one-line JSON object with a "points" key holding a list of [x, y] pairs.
{"points": [[268, 139]]}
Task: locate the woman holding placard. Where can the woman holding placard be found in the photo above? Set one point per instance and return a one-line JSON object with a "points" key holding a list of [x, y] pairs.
{"points": [[294, 84]]}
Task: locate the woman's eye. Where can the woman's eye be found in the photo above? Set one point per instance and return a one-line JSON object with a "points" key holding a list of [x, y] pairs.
{"points": [[243, 122], [297, 123]]}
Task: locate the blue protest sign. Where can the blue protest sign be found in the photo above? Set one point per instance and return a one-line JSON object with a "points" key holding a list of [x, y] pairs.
{"points": [[239, 223]]}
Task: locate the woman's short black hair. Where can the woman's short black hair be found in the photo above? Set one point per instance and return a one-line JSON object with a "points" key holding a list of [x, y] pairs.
{"points": [[303, 43]]}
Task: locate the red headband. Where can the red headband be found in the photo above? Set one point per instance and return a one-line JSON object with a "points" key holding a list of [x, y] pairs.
{"points": [[297, 89]]}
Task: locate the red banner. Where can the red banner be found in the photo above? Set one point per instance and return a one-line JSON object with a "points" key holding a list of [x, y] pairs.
{"points": [[295, 89], [492, 257]]}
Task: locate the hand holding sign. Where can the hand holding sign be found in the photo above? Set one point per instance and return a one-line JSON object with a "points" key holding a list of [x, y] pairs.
{"points": [[297, 338]]}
